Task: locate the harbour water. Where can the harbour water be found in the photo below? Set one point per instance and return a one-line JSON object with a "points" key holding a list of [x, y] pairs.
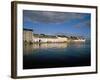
{"points": [[52, 55]]}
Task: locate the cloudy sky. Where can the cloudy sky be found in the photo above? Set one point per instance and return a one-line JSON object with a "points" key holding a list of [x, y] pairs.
{"points": [[52, 23]]}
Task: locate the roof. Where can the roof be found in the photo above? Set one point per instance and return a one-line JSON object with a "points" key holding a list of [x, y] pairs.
{"points": [[48, 36], [44, 36], [27, 29], [63, 36]]}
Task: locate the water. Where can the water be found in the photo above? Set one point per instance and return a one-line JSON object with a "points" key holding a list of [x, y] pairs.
{"points": [[52, 55]]}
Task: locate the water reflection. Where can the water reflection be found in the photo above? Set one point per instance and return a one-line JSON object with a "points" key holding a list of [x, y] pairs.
{"points": [[31, 48], [78, 44], [47, 55], [53, 45]]}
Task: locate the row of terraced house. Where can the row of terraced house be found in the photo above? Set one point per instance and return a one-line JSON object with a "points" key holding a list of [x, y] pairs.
{"points": [[30, 36]]}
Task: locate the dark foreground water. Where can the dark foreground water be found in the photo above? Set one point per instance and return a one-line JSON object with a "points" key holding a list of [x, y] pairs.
{"points": [[51, 55]]}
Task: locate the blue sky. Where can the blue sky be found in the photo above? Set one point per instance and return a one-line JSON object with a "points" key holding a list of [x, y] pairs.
{"points": [[53, 23]]}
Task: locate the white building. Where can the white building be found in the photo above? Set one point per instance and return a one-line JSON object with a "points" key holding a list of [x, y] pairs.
{"points": [[28, 36], [48, 38]]}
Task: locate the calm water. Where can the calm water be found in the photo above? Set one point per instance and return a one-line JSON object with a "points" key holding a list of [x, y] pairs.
{"points": [[49, 55]]}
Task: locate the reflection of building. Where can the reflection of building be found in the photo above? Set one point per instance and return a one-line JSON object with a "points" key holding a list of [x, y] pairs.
{"points": [[29, 49], [50, 45], [28, 35]]}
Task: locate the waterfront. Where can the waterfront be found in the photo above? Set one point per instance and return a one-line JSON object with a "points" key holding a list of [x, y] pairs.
{"points": [[50, 55]]}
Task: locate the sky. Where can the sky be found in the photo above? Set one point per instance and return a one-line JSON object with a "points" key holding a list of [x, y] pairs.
{"points": [[54, 23]]}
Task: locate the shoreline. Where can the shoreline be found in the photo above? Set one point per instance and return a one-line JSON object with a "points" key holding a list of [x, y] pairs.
{"points": [[69, 41]]}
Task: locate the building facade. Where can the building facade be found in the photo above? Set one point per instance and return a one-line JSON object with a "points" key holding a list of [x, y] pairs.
{"points": [[27, 35], [49, 38], [30, 37]]}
